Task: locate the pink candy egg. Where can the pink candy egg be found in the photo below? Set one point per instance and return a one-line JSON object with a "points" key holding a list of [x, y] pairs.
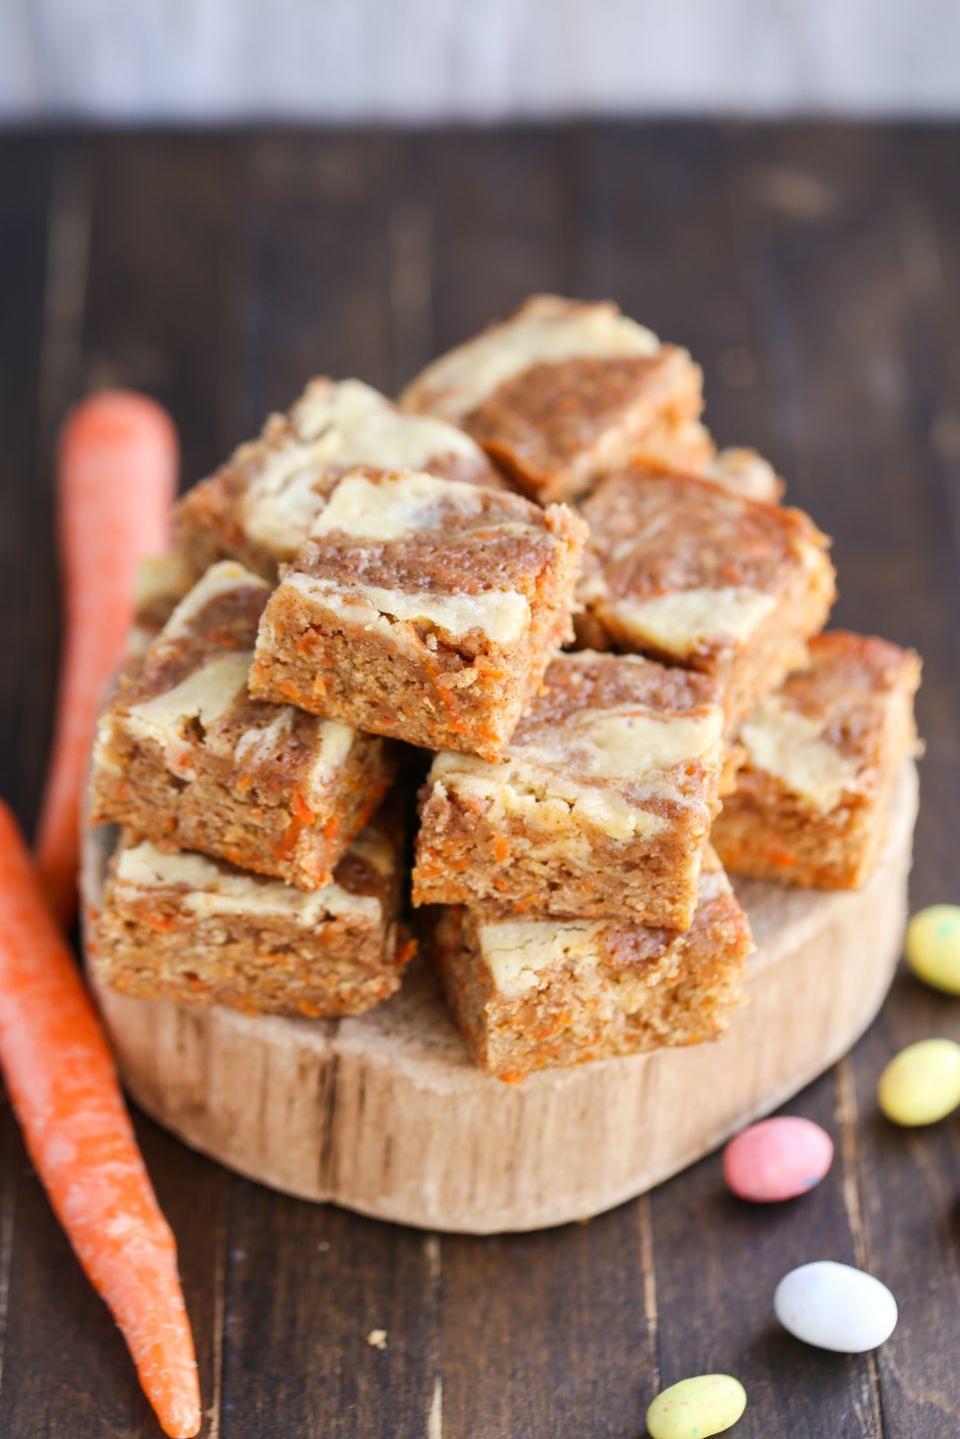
{"points": [[777, 1159]]}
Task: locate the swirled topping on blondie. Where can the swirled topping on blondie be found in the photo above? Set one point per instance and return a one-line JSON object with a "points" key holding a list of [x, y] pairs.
{"points": [[422, 608], [601, 804], [678, 568], [561, 391], [259, 507], [186, 757]]}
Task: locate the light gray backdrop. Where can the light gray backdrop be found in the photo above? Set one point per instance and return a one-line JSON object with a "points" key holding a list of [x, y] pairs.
{"points": [[479, 59]]}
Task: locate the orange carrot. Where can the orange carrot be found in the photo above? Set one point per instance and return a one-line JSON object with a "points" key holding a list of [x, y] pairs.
{"points": [[63, 1086], [116, 483]]}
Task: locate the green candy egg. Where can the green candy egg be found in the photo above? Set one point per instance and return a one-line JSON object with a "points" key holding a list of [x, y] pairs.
{"points": [[933, 946], [921, 1084], [695, 1408]]}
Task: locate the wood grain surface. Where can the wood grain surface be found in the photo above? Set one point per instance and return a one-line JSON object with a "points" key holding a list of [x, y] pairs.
{"points": [[813, 271], [386, 1115]]}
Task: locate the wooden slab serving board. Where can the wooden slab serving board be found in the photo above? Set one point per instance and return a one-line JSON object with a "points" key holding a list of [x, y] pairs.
{"points": [[386, 1115]]}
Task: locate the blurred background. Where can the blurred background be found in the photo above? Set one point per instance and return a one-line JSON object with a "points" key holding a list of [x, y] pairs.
{"points": [[422, 60]]}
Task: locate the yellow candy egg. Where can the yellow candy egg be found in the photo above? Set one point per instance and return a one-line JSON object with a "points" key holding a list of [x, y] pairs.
{"points": [[922, 1083], [696, 1408], [933, 946]]}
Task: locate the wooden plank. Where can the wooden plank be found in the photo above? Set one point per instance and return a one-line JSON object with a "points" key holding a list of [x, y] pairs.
{"points": [[529, 1344], [717, 1263], [144, 319], [855, 301], [162, 319], [306, 1286], [493, 227], [909, 1180], [65, 1367], [810, 270], [687, 274], [657, 232], [28, 184], [317, 253], [41, 231], [165, 306], [550, 1333], [44, 1294]]}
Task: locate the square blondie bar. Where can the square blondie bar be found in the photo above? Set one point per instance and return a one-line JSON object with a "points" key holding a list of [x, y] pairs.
{"points": [[823, 757], [423, 609], [683, 570], [183, 927], [562, 390], [259, 507], [532, 993], [601, 805], [186, 758]]}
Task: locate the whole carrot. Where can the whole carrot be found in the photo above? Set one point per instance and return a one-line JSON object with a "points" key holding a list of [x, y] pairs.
{"points": [[63, 1086], [116, 481]]}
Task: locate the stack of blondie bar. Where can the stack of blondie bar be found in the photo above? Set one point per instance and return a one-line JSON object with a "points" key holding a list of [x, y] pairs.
{"points": [[370, 581]]}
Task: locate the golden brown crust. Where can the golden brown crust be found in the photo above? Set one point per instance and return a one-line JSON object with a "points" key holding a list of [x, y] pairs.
{"points": [[227, 622], [601, 805], [822, 759], [577, 682], [680, 569], [216, 519], [341, 637], [271, 789], [850, 681], [557, 427], [562, 390], [614, 989], [163, 937]]}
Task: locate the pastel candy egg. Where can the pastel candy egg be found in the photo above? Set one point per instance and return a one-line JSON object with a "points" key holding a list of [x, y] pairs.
{"points": [[695, 1408], [933, 946], [834, 1306], [777, 1159], [921, 1084]]}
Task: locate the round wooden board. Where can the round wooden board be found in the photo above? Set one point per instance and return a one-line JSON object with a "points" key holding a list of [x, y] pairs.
{"points": [[386, 1115]]}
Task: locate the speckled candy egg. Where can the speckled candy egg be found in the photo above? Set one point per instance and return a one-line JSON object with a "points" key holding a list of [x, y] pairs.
{"points": [[921, 1084], [933, 946], [777, 1159], [695, 1408], [834, 1306]]}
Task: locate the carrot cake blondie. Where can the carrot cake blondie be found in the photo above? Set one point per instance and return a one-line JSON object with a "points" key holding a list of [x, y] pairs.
{"points": [[681, 569], [185, 757], [161, 583], [601, 805], [260, 505], [195, 930], [685, 445], [422, 608], [533, 993], [561, 391], [742, 471], [823, 756]]}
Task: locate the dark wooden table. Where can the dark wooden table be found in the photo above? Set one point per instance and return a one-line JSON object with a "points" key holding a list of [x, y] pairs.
{"points": [[813, 271]]}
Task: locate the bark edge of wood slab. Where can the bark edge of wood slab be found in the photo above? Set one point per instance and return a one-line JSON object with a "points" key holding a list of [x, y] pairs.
{"points": [[385, 1114]]}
